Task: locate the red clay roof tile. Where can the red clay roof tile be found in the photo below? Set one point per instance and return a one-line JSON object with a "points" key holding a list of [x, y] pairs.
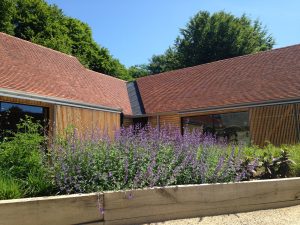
{"points": [[35, 69], [260, 77]]}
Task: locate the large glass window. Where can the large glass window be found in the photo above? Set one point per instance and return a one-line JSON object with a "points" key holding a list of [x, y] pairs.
{"points": [[12, 113], [233, 127]]}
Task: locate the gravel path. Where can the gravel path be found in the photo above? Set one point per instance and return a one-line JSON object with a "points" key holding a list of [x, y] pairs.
{"points": [[282, 216]]}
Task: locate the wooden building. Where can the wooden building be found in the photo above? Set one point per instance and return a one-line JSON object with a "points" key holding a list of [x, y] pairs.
{"points": [[54, 87], [253, 98]]}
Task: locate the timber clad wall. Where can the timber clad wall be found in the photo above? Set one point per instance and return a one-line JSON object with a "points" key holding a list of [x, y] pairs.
{"points": [[86, 120], [173, 120], [276, 124], [165, 120], [61, 117]]}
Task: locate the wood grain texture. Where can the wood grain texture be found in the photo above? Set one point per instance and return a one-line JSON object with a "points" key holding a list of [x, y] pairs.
{"points": [[159, 204], [60, 210], [152, 205], [152, 120], [26, 102], [86, 120], [173, 120], [275, 124], [170, 120]]}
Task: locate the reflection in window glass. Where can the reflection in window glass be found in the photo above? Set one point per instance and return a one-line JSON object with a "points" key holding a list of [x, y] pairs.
{"points": [[233, 127], [12, 113]]}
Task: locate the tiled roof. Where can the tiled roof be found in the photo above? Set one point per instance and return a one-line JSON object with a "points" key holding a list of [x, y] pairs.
{"points": [[34, 69], [255, 78]]}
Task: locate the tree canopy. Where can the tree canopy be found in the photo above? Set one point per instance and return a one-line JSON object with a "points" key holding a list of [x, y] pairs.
{"points": [[210, 37], [206, 38], [44, 24]]}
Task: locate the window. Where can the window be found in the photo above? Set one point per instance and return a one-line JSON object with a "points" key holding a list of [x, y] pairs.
{"points": [[12, 113], [233, 127]]}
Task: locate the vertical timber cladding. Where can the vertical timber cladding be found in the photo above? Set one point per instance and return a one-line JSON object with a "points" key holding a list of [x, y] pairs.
{"points": [[173, 120], [86, 120], [276, 124]]}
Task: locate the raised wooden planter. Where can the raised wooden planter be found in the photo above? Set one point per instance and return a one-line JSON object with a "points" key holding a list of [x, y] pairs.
{"points": [[152, 205]]}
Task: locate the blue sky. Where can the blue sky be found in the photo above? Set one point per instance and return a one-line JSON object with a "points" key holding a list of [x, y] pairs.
{"points": [[134, 30]]}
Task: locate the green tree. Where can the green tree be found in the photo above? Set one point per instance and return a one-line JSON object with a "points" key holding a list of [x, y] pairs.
{"points": [[7, 12], [210, 37], [44, 24], [138, 71], [168, 61]]}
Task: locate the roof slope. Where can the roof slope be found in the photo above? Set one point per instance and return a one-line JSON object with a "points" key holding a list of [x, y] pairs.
{"points": [[260, 77], [35, 69]]}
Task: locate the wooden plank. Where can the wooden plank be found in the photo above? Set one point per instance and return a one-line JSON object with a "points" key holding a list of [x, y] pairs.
{"points": [[59, 210], [26, 102], [196, 213], [158, 204], [170, 120], [86, 120], [275, 124]]}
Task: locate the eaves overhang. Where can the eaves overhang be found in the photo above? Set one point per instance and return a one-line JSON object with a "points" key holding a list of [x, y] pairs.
{"points": [[221, 108], [56, 101]]}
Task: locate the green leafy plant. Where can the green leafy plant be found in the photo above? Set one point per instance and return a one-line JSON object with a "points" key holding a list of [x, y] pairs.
{"points": [[9, 188], [276, 167], [24, 158], [283, 164], [267, 154]]}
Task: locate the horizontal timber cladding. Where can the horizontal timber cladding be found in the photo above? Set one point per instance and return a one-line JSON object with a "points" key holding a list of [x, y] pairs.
{"points": [[81, 209], [187, 201], [275, 124], [86, 120]]}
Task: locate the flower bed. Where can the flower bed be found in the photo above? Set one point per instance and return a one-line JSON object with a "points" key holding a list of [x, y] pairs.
{"points": [[137, 158]]}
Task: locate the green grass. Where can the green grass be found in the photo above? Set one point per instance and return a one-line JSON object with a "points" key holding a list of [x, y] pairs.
{"points": [[9, 188]]}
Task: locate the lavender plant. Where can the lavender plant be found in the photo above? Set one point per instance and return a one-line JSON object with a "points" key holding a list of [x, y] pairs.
{"points": [[142, 157]]}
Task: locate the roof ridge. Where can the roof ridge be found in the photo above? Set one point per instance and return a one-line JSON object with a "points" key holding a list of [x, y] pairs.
{"points": [[222, 60], [110, 76]]}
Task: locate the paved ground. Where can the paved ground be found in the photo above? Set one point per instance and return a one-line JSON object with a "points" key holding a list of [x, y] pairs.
{"points": [[283, 216]]}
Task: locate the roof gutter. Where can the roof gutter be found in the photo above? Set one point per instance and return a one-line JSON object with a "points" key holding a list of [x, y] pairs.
{"points": [[57, 101], [243, 105], [228, 107]]}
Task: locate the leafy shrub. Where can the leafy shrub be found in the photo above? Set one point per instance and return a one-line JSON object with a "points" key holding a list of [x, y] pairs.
{"points": [[275, 162], [142, 157], [294, 152], [23, 157]]}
